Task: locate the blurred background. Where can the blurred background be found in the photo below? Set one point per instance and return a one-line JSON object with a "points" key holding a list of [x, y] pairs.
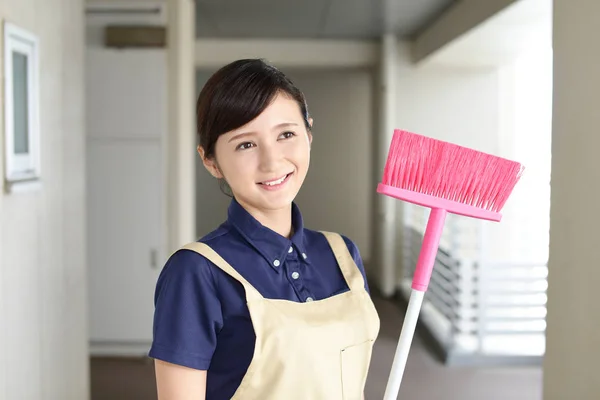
{"points": [[102, 180]]}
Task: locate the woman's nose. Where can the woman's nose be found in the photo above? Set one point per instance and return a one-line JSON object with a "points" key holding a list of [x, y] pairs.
{"points": [[270, 156]]}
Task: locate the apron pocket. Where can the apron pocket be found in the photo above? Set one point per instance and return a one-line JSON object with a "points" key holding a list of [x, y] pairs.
{"points": [[354, 363]]}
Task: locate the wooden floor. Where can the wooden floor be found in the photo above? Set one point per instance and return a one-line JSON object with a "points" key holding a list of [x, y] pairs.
{"points": [[424, 379]]}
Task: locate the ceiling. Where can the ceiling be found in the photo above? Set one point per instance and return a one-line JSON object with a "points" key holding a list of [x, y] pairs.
{"points": [[311, 19]]}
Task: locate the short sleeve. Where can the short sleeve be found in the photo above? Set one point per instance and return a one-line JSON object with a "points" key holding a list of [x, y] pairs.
{"points": [[355, 253], [187, 315]]}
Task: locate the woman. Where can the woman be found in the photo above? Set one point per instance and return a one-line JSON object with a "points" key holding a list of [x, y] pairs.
{"points": [[261, 308]]}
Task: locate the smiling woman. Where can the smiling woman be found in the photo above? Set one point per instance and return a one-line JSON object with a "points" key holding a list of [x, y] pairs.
{"points": [[261, 307], [265, 161]]}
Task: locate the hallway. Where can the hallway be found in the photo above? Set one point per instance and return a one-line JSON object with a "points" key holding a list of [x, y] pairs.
{"points": [[425, 377]]}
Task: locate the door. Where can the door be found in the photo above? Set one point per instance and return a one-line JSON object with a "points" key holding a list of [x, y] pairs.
{"points": [[126, 113]]}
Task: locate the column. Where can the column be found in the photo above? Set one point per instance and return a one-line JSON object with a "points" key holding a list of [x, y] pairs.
{"points": [[181, 142], [573, 332], [386, 206]]}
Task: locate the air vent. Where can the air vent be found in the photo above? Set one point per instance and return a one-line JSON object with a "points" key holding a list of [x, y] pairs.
{"points": [[122, 36], [113, 9]]}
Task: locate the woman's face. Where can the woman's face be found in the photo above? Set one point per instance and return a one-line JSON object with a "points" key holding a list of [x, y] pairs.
{"points": [[265, 161]]}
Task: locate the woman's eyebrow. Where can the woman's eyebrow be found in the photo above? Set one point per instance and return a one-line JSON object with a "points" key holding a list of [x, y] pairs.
{"points": [[244, 134]]}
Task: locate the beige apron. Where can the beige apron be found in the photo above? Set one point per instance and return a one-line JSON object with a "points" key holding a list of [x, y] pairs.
{"points": [[319, 350]]}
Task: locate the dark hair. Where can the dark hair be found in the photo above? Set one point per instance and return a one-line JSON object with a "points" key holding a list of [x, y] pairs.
{"points": [[238, 93]]}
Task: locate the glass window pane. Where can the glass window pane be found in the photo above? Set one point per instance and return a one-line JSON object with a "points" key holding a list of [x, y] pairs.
{"points": [[21, 111]]}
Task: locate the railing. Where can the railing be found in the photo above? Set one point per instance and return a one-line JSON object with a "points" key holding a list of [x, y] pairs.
{"points": [[476, 311]]}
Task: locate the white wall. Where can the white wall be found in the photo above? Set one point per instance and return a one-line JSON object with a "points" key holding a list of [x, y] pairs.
{"points": [[448, 103], [43, 333], [460, 105], [337, 193], [573, 339]]}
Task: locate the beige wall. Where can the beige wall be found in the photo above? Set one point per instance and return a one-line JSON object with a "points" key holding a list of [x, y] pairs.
{"points": [[337, 194], [296, 53], [43, 333], [211, 204], [573, 333]]}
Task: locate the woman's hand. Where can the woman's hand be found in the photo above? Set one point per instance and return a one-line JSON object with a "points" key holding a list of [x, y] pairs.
{"points": [[175, 382]]}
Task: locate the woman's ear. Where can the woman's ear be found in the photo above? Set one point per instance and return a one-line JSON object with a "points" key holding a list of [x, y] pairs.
{"points": [[210, 164], [310, 122]]}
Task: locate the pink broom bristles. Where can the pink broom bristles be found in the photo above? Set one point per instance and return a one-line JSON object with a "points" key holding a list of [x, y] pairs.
{"points": [[449, 171]]}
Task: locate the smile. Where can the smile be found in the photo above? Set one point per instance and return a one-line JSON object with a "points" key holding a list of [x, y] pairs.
{"points": [[276, 183]]}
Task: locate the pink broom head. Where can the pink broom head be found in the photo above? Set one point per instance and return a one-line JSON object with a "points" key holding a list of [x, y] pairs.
{"points": [[437, 174]]}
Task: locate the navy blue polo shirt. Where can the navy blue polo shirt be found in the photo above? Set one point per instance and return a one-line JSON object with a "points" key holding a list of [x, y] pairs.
{"points": [[201, 318]]}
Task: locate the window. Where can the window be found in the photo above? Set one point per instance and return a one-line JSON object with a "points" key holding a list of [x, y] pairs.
{"points": [[21, 114]]}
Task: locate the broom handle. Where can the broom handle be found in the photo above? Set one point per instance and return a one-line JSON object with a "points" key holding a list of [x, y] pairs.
{"points": [[408, 329], [431, 241], [429, 249]]}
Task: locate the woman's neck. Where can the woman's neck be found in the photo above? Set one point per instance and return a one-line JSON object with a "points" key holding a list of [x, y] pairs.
{"points": [[279, 220]]}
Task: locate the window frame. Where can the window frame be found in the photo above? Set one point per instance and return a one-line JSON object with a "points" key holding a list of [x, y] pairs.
{"points": [[21, 167]]}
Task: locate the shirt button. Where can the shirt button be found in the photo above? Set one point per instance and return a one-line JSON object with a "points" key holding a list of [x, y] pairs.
{"points": [[290, 249], [276, 263], [295, 275], [309, 299], [304, 255]]}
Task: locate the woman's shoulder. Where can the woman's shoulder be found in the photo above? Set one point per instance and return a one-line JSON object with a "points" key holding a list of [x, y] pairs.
{"points": [[185, 262]]}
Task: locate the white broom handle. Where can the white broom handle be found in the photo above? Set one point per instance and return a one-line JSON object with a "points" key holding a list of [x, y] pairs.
{"points": [[404, 343]]}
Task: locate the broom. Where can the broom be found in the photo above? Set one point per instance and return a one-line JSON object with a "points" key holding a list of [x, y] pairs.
{"points": [[448, 179]]}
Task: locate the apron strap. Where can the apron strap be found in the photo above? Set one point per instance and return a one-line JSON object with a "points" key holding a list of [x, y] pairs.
{"points": [[206, 251], [349, 269]]}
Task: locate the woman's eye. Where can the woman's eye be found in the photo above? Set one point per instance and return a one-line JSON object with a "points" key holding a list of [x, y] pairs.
{"points": [[244, 146], [287, 135]]}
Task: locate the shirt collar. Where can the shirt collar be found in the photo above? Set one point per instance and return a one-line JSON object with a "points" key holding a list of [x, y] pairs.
{"points": [[270, 244]]}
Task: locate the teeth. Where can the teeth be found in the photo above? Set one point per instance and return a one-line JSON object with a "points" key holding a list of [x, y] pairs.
{"points": [[273, 183]]}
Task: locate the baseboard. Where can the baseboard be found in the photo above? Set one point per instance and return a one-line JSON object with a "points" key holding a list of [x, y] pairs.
{"points": [[479, 360], [118, 349]]}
